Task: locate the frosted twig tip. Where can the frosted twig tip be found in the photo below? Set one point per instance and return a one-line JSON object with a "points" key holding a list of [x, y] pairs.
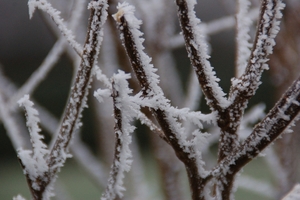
{"points": [[123, 9], [118, 15]]}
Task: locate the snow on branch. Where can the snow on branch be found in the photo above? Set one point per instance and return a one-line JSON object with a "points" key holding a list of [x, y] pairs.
{"points": [[39, 149], [212, 27], [278, 121], [124, 113], [55, 15], [158, 104], [78, 96], [197, 51], [34, 161], [245, 87]]}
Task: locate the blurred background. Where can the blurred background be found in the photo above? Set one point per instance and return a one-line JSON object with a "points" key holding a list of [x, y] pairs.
{"points": [[24, 44]]}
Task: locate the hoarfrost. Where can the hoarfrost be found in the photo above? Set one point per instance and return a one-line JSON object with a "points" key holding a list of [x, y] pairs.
{"points": [[33, 160]]}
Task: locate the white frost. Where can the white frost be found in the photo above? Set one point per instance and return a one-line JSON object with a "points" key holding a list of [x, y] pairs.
{"points": [[33, 160]]}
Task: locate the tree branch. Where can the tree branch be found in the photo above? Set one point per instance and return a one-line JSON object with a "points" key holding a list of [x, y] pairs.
{"points": [[197, 51], [276, 122], [78, 97], [130, 35]]}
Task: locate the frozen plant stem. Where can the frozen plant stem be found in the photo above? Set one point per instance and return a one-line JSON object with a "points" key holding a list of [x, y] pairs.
{"points": [[278, 121], [130, 35], [123, 114], [77, 98]]}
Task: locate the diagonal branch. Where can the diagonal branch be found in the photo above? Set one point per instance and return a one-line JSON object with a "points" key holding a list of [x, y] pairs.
{"points": [[78, 96], [276, 122], [244, 88], [55, 15]]}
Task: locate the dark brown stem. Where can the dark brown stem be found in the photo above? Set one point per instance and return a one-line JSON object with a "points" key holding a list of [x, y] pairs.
{"points": [[110, 192], [195, 56], [197, 183]]}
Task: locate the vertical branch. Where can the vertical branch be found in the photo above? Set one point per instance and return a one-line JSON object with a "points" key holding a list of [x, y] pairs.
{"points": [[78, 96], [243, 46], [33, 161], [124, 112]]}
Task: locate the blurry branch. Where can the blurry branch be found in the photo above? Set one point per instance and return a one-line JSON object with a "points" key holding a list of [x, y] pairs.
{"points": [[213, 27], [259, 187], [55, 15], [80, 151], [50, 60], [294, 194]]}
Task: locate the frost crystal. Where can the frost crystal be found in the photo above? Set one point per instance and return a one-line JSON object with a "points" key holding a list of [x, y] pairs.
{"points": [[33, 160]]}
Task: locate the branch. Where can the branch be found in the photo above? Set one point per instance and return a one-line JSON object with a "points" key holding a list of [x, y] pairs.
{"points": [[10, 124], [197, 51], [78, 96], [244, 87], [212, 27], [53, 56], [243, 46], [124, 114], [34, 161], [55, 15], [160, 106], [276, 122]]}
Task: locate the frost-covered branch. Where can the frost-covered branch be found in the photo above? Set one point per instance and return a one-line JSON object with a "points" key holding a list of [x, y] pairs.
{"points": [[159, 105], [78, 96], [124, 114], [278, 121], [55, 15], [244, 87], [197, 52], [34, 161], [243, 45]]}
